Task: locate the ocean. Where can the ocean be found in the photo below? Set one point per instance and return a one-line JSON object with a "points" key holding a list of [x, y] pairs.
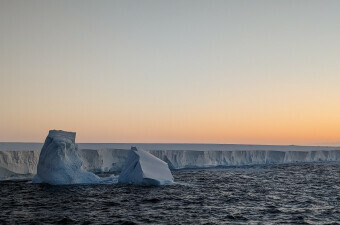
{"points": [[303, 193]]}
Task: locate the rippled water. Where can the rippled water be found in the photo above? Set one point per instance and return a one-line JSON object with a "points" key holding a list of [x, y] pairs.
{"points": [[276, 194]]}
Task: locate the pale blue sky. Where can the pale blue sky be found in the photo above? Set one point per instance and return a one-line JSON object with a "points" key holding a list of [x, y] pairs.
{"points": [[159, 71]]}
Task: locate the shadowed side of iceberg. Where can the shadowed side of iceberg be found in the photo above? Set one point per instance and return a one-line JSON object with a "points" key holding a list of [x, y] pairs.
{"points": [[142, 168]]}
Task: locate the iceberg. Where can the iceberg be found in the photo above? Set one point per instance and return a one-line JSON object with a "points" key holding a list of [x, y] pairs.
{"points": [[18, 162], [59, 162], [143, 168]]}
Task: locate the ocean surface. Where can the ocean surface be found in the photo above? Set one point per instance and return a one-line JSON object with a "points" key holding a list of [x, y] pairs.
{"points": [[268, 194]]}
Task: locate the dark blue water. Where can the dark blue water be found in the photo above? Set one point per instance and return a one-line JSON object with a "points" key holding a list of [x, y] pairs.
{"points": [[276, 194]]}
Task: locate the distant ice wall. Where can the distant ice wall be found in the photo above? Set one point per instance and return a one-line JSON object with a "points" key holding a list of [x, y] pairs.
{"points": [[104, 160], [23, 164], [18, 164], [204, 159]]}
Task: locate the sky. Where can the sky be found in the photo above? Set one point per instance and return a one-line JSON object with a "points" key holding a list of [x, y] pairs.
{"points": [[180, 71]]}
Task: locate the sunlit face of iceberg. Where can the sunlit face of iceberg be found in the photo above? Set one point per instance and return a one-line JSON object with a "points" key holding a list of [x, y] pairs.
{"points": [[59, 162], [142, 168]]}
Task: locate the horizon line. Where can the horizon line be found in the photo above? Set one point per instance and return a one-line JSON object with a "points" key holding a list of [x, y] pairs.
{"points": [[333, 144]]}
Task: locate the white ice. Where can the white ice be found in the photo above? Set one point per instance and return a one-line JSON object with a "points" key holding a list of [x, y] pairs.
{"points": [[142, 168], [59, 162], [22, 163]]}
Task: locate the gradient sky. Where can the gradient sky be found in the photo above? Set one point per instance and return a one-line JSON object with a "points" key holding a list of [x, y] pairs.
{"points": [[260, 72]]}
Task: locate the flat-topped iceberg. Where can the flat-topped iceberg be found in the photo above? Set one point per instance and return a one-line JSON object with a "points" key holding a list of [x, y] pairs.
{"points": [[142, 168], [59, 162], [22, 163]]}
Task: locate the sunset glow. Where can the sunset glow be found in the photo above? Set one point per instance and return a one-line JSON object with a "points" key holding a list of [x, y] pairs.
{"points": [[171, 71]]}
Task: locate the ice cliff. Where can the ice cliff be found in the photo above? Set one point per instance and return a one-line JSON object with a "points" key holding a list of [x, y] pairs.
{"points": [[59, 162], [18, 164], [23, 164], [111, 160], [143, 168]]}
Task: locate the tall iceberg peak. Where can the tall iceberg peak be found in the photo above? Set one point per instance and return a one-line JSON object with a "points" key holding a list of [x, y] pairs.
{"points": [[59, 134], [59, 162], [143, 168]]}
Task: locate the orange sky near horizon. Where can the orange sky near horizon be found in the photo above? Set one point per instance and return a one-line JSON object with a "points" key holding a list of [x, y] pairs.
{"points": [[240, 72], [306, 124]]}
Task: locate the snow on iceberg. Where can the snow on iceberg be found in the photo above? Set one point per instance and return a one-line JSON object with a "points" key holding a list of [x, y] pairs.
{"points": [[59, 162], [142, 168], [16, 162]]}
